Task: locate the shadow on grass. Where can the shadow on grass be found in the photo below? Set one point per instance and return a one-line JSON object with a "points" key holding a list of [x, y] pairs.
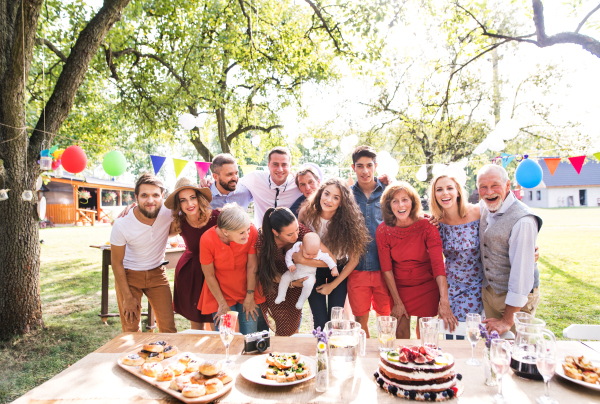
{"points": [[570, 278]]}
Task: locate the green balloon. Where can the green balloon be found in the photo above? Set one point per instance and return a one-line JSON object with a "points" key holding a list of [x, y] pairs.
{"points": [[53, 149], [114, 163]]}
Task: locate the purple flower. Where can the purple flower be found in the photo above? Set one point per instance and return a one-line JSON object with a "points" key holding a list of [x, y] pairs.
{"points": [[321, 336]]}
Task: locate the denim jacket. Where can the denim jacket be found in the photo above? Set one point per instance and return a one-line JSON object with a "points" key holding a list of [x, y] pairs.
{"points": [[371, 210]]}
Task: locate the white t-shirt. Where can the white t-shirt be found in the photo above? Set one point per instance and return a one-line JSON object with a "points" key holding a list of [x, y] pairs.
{"points": [[144, 245], [257, 183]]}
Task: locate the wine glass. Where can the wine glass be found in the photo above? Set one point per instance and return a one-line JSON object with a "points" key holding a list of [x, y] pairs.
{"points": [[500, 360], [545, 350], [473, 335], [226, 330]]}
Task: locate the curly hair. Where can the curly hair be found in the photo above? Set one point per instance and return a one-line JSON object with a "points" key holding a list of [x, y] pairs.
{"points": [[388, 195], [203, 207], [346, 231]]}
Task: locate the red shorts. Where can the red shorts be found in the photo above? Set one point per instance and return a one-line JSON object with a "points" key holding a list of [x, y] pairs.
{"points": [[366, 288]]}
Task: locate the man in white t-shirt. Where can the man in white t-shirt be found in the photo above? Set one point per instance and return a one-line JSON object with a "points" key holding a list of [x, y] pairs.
{"points": [[274, 188], [138, 242]]}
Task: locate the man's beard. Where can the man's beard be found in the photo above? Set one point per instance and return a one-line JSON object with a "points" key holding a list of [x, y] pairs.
{"points": [[228, 186], [149, 215], [495, 207]]}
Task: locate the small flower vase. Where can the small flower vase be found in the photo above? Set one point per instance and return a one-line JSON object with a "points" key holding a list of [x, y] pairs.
{"points": [[322, 377], [488, 372]]}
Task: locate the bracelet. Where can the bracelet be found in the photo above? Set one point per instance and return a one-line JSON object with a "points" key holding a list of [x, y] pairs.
{"points": [[249, 291]]}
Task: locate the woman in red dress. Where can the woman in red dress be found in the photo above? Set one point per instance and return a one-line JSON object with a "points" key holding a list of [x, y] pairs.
{"points": [[192, 216], [411, 258]]}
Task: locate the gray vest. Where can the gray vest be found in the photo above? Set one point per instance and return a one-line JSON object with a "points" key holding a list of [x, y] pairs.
{"points": [[494, 246]]}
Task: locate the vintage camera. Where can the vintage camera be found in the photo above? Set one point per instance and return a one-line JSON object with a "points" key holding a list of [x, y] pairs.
{"points": [[257, 342]]}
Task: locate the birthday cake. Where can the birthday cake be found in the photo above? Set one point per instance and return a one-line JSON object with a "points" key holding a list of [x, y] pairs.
{"points": [[418, 373]]}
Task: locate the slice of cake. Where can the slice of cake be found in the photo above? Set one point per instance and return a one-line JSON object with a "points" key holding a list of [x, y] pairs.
{"points": [[418, 373]]}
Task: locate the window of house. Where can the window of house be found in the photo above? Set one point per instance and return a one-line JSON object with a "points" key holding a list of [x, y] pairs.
{"points": [[531, 195], [539, 195]]}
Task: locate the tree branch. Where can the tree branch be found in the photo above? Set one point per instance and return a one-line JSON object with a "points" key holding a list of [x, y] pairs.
{"points": [[139, 55], [245, 129], [50, 45], [586, 18], [249, 22], [325, 26]]}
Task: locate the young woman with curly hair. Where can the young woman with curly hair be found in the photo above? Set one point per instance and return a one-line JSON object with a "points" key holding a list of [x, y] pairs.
{"points": [[333, 213]]}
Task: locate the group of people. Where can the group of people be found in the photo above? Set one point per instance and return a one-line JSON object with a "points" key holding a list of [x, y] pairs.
{"points": [[325, 241]]}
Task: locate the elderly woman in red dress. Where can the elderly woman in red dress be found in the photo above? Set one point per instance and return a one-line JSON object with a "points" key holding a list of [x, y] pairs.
{"points": [[411, 258]]}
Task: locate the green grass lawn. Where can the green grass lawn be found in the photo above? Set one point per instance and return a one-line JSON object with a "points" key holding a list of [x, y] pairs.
{"points": [[71, 278]]}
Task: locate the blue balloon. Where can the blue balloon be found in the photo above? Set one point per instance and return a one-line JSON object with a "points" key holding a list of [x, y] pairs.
{"points": [[529, 174]]}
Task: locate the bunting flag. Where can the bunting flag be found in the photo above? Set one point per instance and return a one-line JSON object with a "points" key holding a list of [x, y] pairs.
{"points": [[552, 164], [506, 159], [597, 155], [179, 165], [202, 167], [577, 163], [157, 163], [247, 169]]}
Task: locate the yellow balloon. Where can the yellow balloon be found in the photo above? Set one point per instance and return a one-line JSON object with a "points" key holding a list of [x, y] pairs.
{"points": [[58, 154]]}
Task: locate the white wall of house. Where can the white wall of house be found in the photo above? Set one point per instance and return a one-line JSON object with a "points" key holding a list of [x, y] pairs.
{"points": [[560, 197]]}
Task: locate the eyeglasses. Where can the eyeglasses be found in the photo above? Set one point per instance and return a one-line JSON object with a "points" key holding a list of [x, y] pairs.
{"points": [[277, 191]]}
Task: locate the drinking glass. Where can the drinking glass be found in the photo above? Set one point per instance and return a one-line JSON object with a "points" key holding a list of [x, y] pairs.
{"points": [[473, 335], [226, 330], [337, 313], [386, 331], [500, 359], [429, 327], [545, 350]]}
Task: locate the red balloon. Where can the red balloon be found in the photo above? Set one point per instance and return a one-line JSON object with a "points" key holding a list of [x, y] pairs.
{"points": [[55, 164], [74, 159]]}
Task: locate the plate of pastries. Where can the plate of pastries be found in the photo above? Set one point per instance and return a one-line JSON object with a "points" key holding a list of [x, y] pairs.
{"points": [[183, 375], [580, 370], [279, 369]]}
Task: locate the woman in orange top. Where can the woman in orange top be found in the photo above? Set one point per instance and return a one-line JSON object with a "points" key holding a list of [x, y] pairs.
{"points": [[229, 264]]}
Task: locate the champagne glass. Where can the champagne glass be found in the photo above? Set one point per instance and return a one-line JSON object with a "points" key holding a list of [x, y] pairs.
{"points": [[545, 350], [500, 360], [473, 335], [226, 330]]}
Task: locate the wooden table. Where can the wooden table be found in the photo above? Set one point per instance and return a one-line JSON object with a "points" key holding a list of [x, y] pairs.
{"points": [[97, 378], [172, 255]]}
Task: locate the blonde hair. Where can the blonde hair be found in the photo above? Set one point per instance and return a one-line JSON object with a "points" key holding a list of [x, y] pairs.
{"points": [[233, 217], [386, 202], [461, 200]]}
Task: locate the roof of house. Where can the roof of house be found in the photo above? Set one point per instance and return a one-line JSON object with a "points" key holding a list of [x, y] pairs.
{"points": [[95, 181], [566, 175]]}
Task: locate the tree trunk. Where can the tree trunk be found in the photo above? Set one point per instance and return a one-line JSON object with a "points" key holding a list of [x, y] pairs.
{"points": [[222, 130], [20, 302], [200, 147]]}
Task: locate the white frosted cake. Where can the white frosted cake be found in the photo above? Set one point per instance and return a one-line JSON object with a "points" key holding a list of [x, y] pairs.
{"points": [[418, 373]]}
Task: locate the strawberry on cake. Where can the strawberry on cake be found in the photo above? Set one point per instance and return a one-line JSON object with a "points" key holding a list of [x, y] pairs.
{"points": [[418, 373]]}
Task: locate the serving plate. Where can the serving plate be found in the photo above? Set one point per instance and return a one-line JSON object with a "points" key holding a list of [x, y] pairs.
{"points": [[164, 386], [253, 369], [560, 372]]}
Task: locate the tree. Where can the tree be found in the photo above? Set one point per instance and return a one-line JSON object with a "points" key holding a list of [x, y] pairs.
{"points": [[539, 37], [20, 305]]}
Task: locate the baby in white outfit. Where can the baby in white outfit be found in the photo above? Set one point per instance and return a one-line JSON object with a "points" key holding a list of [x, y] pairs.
{"points": [[311, 250]]}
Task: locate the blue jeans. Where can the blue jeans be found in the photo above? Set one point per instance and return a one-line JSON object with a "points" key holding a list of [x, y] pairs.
{"points": [[247, 326], [321, 305]]}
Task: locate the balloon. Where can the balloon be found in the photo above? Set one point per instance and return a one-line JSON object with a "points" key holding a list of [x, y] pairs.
{"points": [[114, 163], [529, 174], [334, 143], [352, 140], [346, 147], [255, 140], [386, 164], [438, 169], [58, 154], [422, 173], [458, 172], [187, 121], [56, 164], [200, 119], [507, 129], [309, 143], [74, 159], [495, 143], [482, 148]]}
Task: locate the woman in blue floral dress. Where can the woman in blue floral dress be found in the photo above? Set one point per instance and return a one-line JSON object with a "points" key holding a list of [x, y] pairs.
{"points": [[459, 230]]}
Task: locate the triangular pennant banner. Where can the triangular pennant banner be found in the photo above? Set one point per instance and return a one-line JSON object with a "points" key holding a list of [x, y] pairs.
{"points": [[157, 163], [247, 169], [597, 155], [506, 159], [552, 164], [179, 165], [202, 167], [577, 163]]}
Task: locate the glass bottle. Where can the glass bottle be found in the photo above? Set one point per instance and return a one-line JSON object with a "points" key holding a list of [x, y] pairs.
{"points": [[322, 377]]}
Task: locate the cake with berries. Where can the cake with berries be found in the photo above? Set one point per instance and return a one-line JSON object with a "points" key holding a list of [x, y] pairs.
{"points": [[418, 373]]}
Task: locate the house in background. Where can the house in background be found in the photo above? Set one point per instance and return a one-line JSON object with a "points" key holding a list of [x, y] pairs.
{"points": [[565, 188], [64, 204]]}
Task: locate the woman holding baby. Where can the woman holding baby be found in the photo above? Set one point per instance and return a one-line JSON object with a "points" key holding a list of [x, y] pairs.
{"points": [[333, 214]]}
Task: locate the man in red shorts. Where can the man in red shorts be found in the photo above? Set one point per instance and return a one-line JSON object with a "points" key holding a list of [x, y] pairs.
{"points": [[366, 286]]}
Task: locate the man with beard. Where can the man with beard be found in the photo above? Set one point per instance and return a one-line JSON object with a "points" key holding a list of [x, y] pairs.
{"points": [[225, 189], [138, 242], [508, 231]]}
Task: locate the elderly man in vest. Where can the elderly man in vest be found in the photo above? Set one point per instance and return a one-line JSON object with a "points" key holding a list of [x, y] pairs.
{"points": [[507, 232]]}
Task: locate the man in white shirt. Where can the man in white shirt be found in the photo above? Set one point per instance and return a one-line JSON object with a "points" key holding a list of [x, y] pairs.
{"points": [[138, 242]]}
